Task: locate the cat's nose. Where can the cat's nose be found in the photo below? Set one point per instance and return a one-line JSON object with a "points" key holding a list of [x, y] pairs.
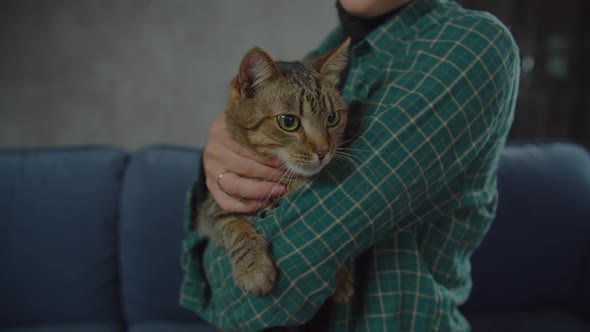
{"points": [[321, 154]]}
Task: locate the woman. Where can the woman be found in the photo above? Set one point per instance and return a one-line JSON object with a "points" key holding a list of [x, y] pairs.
{"points": [[434, 87]]}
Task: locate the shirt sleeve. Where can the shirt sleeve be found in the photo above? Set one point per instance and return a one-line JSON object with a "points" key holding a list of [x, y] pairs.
{"points": [[433, 113]]}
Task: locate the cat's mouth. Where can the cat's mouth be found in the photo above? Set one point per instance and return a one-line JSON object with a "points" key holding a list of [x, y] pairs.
{"points": [[306, 168]]}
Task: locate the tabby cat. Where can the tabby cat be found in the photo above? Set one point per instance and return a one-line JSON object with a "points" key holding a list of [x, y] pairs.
{"points": [[287, 110]]}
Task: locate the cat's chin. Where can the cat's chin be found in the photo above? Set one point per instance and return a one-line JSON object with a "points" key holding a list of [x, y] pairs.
{"points": [[307, 171], [304, 172]]}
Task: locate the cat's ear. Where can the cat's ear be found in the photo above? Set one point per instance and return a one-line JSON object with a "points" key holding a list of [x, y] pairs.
{"points": [[333, 63], [256, 67]]}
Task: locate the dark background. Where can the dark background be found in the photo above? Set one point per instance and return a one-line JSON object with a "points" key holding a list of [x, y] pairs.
{"points": [[137, 72], [554, 43]]}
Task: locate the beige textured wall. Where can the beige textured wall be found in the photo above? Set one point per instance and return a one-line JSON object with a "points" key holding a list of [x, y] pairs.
{"points": [[135, 72]]}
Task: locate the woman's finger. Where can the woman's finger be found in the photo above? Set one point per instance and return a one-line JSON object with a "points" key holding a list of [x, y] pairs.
{"points": [[219, 159], [250, 189], [238, 179], [233, 205], [218, 134], [243, 152]]}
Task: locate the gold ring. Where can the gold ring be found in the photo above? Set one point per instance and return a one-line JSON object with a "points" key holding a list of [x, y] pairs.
{"points": [[219, 180]]}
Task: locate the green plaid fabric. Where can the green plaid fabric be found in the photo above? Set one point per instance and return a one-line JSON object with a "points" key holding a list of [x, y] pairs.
{"points": [[436, 88]]}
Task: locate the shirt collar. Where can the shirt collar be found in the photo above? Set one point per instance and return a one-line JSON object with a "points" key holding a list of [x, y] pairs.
{"points": [[399, 27], [357, 28], [396, 28]]}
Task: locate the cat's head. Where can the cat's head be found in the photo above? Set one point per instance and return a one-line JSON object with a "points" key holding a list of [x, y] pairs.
{"points": [[292, 111]]}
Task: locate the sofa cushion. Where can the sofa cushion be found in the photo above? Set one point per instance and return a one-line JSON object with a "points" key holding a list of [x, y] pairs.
{"points": [[172, 327], [534, 252], [58, 245], [151, 232], [68, 328], [544, 321]]}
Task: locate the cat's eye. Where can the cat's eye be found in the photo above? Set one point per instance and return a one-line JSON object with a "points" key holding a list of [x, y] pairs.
{"points": [[333, 119], [288, 122]]}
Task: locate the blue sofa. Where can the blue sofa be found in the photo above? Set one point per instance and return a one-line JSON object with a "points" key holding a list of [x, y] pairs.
{"points": [[90, 240]]}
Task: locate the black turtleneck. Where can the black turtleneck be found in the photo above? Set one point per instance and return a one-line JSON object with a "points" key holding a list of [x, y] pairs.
{"points": [[357, 28]]}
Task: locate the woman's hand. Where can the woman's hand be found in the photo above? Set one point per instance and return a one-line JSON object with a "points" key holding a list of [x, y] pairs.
{"points": [[241, 188]]}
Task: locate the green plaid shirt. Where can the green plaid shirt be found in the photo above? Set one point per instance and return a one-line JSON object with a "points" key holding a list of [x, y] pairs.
{"points": [[436, 88]]}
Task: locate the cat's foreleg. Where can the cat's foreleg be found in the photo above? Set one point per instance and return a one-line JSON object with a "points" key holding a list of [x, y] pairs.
{"points": [[344, 288], [253, 268]]}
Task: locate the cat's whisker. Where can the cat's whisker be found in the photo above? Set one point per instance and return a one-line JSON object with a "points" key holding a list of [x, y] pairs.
{"points": [[356, 162], [265, 200], [277, 183], [375, 178], [348, 140], [293, 175], [290, 176], [357, 157], [346, 159], [370, 152], [279, 169], [351, 156]]}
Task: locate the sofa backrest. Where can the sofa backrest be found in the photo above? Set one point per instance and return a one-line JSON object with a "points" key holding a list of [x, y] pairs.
{"points": [[151, 232], [93, 234], [537, 248], [58, 244]]}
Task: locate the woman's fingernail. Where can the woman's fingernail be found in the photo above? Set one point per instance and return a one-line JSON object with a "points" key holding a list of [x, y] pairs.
{"points": [[278, 191], [274, 163]]}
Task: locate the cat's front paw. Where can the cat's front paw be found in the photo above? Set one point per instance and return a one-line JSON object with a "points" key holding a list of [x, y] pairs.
{"points": [[254, 271], [344, 289]]}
